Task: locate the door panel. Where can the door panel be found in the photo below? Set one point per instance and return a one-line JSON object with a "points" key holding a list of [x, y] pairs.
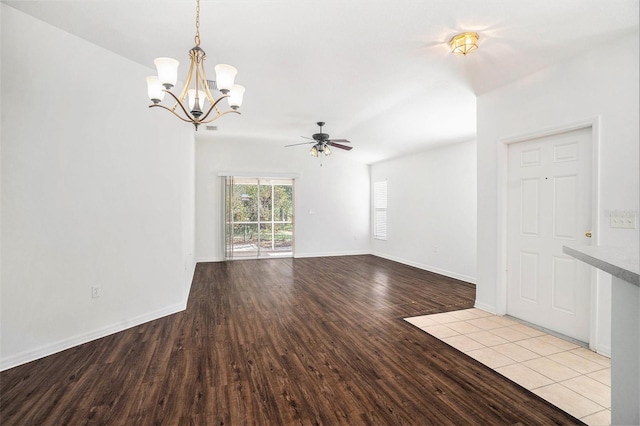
{"points": [[565, 207], [530, 201], [563, 284], [529, 276], [549, 205]]}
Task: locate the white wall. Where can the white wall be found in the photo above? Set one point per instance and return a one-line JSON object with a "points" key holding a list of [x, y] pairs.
{"points": [[1, 56], [431, 210], [602, 85], [96, 190], [337, 194]]}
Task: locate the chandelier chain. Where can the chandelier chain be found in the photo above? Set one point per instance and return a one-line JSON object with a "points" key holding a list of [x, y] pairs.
{"points": [[197, 37]]}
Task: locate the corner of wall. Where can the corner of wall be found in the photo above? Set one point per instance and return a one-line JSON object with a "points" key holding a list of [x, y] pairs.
{"points": [[425, 267]]}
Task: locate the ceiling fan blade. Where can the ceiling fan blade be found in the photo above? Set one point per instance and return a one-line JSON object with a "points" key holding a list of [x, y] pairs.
{"points": [[306, 137], [301, 143], [339, 140], [337, 145]]}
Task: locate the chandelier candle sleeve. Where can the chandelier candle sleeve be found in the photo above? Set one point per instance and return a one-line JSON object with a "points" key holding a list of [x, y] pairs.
{"points": [[196, 103], [192, 99], [235, 96], [225, 75], [167, 71], [154, 89]]}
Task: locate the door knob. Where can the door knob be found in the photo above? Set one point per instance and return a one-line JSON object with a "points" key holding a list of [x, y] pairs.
{"points": [[587, 234]]}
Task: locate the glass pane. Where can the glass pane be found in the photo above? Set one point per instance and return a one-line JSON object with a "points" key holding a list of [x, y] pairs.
{"points": [[244, 203], [245, 239], [283, 237], [283, 203], [265, 203], [265, 237]]}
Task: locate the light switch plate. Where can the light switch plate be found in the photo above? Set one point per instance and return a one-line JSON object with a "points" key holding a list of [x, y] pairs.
{"points": [[624, 220]]}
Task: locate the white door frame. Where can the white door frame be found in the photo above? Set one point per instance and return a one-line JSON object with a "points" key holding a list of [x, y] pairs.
{"points": [[503, 148]]}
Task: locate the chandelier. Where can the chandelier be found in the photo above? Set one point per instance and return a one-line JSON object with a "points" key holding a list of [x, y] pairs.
{"points": [[196, 103]]}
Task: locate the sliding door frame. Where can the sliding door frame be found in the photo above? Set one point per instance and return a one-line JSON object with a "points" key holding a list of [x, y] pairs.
{"points": [[228, 182]]}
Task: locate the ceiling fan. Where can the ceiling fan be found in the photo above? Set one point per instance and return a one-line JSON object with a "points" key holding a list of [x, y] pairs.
{"points": [[321, 143]]}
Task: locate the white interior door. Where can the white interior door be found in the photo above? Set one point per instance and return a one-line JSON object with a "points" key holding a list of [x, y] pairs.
{"points": [[549, 205]]}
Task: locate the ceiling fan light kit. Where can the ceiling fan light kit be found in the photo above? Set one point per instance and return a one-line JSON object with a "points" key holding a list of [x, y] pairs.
{"points": [[465, 43], [197, 91], [321, 143]]}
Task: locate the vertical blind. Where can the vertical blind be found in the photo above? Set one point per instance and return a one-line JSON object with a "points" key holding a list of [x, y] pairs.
{"points": [[380, 210]]}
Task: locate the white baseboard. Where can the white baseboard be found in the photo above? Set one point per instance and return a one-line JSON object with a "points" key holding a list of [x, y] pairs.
{"points": [[330, 254], [450, 274], [50, 349], [603, 350], [486, 308], [209, 259], [295, 255]]}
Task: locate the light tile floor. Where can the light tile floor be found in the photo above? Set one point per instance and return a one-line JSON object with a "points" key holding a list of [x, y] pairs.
{"points": [[567, 375]]}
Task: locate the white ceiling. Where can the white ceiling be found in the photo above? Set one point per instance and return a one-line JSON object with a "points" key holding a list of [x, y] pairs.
{"points": [[378, 72]]}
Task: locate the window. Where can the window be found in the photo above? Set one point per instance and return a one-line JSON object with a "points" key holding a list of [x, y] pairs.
{"points": [[380, 210]]}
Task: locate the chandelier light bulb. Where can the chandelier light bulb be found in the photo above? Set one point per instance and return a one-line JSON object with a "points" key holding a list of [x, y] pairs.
{"points": [[327, 151], [314, 151], [202, 97]]}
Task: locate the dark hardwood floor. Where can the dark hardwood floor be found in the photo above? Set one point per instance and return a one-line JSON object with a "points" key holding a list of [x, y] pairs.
{"points": [[280, 342]]}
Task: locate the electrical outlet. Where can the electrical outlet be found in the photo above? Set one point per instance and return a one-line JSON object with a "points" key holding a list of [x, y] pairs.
{"points": [[95, 291]]}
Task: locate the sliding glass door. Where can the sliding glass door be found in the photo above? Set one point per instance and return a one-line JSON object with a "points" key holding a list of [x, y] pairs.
{"points": [[258, 217]]}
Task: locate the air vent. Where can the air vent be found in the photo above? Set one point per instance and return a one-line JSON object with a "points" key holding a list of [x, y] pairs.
{"points": [[212, 128], [212, 85]]}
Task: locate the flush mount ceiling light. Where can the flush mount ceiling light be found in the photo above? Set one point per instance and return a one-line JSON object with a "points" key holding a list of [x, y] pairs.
{"points": [[196, 87], [464, 43]]}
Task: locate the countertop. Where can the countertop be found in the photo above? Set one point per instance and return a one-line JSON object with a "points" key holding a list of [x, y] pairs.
{"points": [[621, 262]]}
